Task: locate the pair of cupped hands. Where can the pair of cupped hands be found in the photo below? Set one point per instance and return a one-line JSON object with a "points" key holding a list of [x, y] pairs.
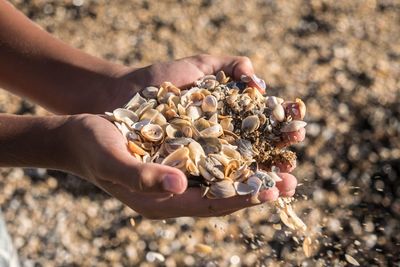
{"points": [[153, 190]]}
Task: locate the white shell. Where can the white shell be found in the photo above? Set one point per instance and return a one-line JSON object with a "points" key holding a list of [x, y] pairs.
{"points": [[250, 123], [125, 115], [275, 176], [152, 132], [194, 112], [209, 104], [279, 113], [243, 189], [213, 131], [255, 183], [293, 126]]}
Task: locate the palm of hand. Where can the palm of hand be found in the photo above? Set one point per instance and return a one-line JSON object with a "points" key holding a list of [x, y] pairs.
{"points": [[110, 166]]}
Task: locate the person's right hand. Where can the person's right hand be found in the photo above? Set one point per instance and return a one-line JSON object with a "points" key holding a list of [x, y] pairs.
{"points": [[99, 153]]}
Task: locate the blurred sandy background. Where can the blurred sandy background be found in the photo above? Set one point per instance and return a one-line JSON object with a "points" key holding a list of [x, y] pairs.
{"points": [[341, 57]]}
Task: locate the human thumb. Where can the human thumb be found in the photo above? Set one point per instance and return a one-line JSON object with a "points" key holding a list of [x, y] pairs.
{"points": [[152, 177]]}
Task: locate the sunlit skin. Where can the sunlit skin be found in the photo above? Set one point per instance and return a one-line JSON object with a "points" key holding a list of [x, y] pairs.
{"points": [[68, 81]]}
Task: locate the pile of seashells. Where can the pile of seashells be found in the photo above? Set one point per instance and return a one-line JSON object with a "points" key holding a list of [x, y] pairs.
{"points": [[221, 133]]}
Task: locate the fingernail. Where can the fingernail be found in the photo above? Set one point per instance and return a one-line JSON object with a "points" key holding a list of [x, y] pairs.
{"points": [[260, 82], [172, 183]]}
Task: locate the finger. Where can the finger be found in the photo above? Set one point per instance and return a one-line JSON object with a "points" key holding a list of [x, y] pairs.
{"points": [[292, 138], [269, 195], [288, 183], [233, 66], [288, 194], [149, 177]]}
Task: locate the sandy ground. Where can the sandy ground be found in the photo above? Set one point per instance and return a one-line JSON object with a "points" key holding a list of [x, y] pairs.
{"points": [[341, 57]]}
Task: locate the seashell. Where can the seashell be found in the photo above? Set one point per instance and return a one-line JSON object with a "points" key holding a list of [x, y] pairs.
{"points": [[197, 98], [209, 83], [211, 145], [293, 126], [245, 148], [231, 152], [152, 132], [232, 167], [222, 189], [192, 168], [213, 119], [242, 188], [170, 114], [253, 93], [212, 167], [268, 181], [181, 110], [177, 158], [279, 113], [149, 114], [174, 131], [150, 92], [135, 102], [125, 115], [250, 124], [226, 124], [187, 131], [196, 151], [171, 88], [206, 175], [272, 101], [201, 124], [221, 77], [139, 125], [134, 148], [131, 136], [146, 106], [274, 176], [194, 112], [220, 158], [213, 131], [302, 109], [255, 183], [172, 144], [209, 104]]}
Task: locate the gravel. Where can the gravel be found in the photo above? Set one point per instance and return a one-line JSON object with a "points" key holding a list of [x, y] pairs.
{"points": [[341, 57]]}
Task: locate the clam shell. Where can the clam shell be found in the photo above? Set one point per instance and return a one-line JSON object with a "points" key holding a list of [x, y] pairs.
{"points": [[201, 124], [274, 176], [134, 148], [196, 151], [191, 167], [255, 183], [272, 101], [268, 181], [150, 92], [221, 77], [140, 124], [231, 151], [279, 113], [242, 188], [211, 145], [226, 124], [209, 104], [213, 131], [135, 102], [293, 126], [177, 158], [250, 124], [152, 132], [222, 189], [125, 115], [194, 112]]}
